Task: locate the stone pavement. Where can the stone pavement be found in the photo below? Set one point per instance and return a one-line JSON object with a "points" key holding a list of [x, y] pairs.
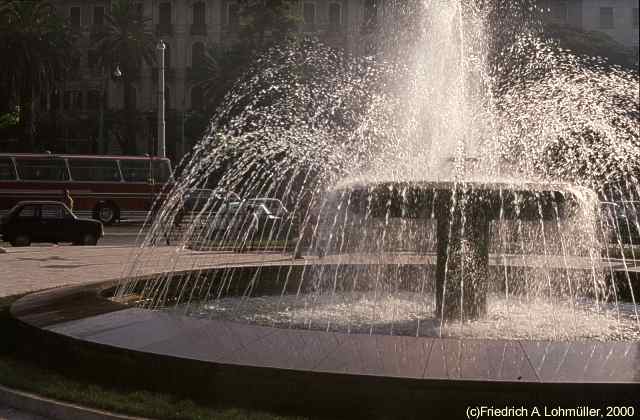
{"points": [[24, 270]]}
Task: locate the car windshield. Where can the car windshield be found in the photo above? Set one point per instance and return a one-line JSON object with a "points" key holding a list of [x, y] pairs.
{"points": [[13, 209], [261, 210], [274, 206]]}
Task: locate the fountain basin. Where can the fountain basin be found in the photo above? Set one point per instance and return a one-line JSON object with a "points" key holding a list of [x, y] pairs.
{"points": [[302, 371]]}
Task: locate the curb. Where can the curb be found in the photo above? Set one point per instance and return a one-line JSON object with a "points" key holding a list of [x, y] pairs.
{"points": [[53, 409]]}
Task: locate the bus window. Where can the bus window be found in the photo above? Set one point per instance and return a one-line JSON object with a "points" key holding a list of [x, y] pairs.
{"points": [[105, 170], [47, 169], [161, 170], [7, 171], [135, 170]]}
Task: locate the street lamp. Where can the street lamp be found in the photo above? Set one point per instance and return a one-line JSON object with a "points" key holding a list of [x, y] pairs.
{"points": [[161, 124], [102, 144]]}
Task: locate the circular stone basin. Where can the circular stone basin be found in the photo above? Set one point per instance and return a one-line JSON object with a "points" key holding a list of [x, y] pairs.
{"points": [[313, 372]]}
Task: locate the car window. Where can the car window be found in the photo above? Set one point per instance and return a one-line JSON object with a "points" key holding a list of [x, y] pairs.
{"points": [[27, 212], [261, 210], [53, 211]]}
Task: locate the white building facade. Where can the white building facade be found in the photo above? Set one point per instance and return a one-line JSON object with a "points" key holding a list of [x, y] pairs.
{"points": [[190, 27]]}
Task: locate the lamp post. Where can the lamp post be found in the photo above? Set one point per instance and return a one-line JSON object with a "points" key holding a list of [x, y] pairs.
{"points": [[103, 147], [185, 115], [161, 124]]}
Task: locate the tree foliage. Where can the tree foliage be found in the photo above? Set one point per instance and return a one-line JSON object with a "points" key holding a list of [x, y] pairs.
{"points": [[126, 43], [263, 24], [37, 52]]}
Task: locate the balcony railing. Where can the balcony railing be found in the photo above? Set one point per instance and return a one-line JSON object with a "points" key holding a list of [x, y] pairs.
{"points": [[198, 29]]}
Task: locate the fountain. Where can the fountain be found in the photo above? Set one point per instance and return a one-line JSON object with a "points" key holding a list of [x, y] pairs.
{"points": [[464, 213], [443, 240]]}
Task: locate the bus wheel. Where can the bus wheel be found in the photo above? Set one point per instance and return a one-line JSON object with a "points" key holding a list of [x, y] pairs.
{"points": [[106, 213], [21, 240]]}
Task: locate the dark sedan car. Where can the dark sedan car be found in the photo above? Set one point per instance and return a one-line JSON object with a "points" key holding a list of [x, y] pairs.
{"points": [[47, 221], [245, 220]]}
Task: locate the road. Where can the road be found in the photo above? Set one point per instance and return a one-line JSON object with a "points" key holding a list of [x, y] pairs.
{"points": [[120, 234]]}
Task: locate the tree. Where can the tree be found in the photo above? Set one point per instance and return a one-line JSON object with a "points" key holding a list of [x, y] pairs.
{"points": [[263, 23], [37, 51], [266, 22], [126, 42]]}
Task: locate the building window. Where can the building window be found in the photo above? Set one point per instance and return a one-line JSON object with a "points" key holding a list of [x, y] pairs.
{"points": [[98, 15], [93, 99], [561, 12], [167, 55], [54, 101], [72, 100], [370, 12], [606, 17], [197, 98], [43, 102], [335, 15], [197, 55], [134, 98], [309, 13], [635, 18], [233, 15], [199, 14], [92, 59], [139, 10], [165, 14], [74, 16]]}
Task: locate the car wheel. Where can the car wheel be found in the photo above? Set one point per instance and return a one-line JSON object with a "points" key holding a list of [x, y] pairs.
{"points": [[21, 240], [106, 213], [89, 239]]}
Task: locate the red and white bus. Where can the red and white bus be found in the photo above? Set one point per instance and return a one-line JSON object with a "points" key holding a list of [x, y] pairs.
{"points": [[106, 188]]}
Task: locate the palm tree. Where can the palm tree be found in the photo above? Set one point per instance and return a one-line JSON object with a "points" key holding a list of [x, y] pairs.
{"points": [[263, 24], [216, 72], [126, 43], [37, 50]]}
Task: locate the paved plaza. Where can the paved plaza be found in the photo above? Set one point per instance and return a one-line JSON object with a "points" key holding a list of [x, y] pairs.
{"points": [[30, 269]]}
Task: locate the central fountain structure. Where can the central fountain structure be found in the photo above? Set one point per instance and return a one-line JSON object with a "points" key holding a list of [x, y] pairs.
{"points": [[464, 212]]}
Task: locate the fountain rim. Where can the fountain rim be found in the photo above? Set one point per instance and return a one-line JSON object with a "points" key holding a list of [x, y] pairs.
{"points": [[92, 306], [358, 183]]}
